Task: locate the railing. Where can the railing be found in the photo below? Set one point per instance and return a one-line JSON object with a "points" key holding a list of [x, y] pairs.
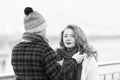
{"points": [[115, 75], [110, 75], [8, 77]]}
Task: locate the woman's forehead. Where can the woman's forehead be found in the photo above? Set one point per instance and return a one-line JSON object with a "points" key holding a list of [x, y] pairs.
{"points": [[68, 31]]}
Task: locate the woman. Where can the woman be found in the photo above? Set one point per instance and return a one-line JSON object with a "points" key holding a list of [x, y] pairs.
{"points": [[73, 40]]}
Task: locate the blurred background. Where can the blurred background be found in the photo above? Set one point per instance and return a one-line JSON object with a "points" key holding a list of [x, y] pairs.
{"points": [[99, 19]]}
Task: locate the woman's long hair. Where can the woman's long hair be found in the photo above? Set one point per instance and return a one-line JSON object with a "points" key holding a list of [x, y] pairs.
{"points": [[81, 41]]}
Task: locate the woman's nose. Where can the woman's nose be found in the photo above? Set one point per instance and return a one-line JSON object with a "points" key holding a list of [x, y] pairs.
{"points": [[68, 38]]}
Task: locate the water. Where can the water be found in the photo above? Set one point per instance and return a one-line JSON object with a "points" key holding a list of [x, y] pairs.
{"points": [[108, 50]]}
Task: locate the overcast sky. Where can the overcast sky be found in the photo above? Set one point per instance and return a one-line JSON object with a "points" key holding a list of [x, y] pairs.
{"points": [[95, 17]]}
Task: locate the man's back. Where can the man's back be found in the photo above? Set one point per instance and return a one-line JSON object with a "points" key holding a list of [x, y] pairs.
{"points": [[26, 60]]}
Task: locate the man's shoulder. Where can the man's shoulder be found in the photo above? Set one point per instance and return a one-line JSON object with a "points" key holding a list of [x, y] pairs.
{"points": [[31, 45]]}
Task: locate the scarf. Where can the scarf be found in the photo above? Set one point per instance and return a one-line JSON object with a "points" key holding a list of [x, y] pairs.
{"points": [[67, 55], [33, 37]]}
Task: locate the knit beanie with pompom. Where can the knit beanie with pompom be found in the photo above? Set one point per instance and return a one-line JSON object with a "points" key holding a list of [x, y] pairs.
{"points": [[33, 21]]}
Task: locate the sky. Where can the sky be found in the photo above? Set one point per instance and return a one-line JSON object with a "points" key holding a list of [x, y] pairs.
{"points": [[95, 17]]}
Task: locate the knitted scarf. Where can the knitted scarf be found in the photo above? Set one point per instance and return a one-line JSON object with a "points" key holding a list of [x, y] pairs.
{"points": [[33, 37], [67, 55]]}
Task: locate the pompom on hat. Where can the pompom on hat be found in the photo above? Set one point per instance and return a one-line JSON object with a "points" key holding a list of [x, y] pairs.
{"points": [[33, 21]]}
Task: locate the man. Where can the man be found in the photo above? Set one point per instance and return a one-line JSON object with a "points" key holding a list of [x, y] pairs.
{"points": [[33, 58]]}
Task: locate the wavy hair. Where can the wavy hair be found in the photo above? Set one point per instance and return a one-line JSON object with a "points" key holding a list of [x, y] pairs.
{"points": [[81, 41]]}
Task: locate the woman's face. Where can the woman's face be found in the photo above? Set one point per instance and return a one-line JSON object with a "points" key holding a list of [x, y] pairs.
{"points": [[69, 38]]}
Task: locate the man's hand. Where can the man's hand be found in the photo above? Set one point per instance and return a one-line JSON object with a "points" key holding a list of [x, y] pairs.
{"points": [[79, 57]]}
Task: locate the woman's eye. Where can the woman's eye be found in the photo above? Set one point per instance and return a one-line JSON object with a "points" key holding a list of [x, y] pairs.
{"points": [[73, 36]]}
